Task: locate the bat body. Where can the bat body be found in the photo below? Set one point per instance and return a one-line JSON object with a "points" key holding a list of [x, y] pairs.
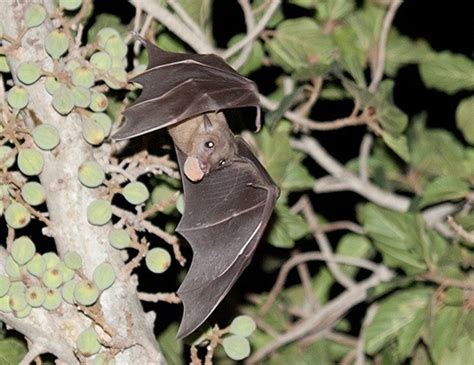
{"points": [[228, 195]]}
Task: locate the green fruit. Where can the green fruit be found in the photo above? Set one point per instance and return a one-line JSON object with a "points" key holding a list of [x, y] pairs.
{"points": [[121, 63], [17, 97], [162, 193], [56, 44], [23, 250], [28, 72], [236, 347], [82, 96], [52, 278], [35, 296], [63, 100], [23, 313], [119, 238], [102, 359], [99, 212], [92, 132], [85, 292], [116, 47], [116, 78], [99, 102], [17, 216], [33, 193], [104, 276], [72, 65], [243, 326], [66, 272], [136, 192], [101, 61], [91, 174], [36, 266], [17, 287], [4, 161], [53, 299], [45, 136], [4, 285], [35, 15], [82, 76], [158, 260], [30, 161], [73, 260], [4, 67], [70, 4], [5, 304], [88, 342], [104, 34], [18, 301], [51, 85], [104, 121], [51, 260], [67, 291]]}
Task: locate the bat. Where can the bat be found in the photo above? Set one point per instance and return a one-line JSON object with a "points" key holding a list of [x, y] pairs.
{"points": [[228, 194]]}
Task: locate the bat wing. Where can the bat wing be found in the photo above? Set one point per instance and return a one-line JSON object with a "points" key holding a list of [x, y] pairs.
{"points": [[224, 218], [180, 86]]}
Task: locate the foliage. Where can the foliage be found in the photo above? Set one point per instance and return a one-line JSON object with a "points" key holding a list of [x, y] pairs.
{"points": [[80, 211]]}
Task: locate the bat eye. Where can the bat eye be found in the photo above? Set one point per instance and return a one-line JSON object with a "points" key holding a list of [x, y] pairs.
{"points": [[209, 144], [221, 162]]}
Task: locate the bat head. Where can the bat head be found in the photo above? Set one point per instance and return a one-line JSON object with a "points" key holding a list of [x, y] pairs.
{"points": [[213, 147]]}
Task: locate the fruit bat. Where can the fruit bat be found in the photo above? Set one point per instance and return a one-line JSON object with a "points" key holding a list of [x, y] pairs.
{"points": [[228, 194]]}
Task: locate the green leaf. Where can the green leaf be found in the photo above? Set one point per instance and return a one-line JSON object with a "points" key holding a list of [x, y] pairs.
{"points": [[437, 152], [286, 228], [354, 245], [254, 60], [394, 315], [300, 44], [448, 72], [285, 104], [465, 118], [334, 9], [366, 24], [397, 144], [12, 351], [171, 348], [445, 334], [199, 11], [396, 235], [402, 50], [444, 188], [308, 4], [281, 161], [170, 43], [351, 58]]}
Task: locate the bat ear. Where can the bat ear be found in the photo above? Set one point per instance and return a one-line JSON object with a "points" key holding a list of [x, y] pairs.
{"points": [[207, 123]]}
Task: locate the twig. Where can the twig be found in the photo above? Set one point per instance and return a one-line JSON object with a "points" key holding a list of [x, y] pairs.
{"points": [[441, 280], [250, 36], [250, 24], [34, 350], [324, 245], [364, 154], [324, 318], [460, 231], [305, 278], [340, 225], [369, 316], [174, 24], [352, 120], [191, 24], [346, 179], [215, 338], [136, 261], [379, 67], [313, 256], [171, 298], [305, 108], [194, 356]]}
